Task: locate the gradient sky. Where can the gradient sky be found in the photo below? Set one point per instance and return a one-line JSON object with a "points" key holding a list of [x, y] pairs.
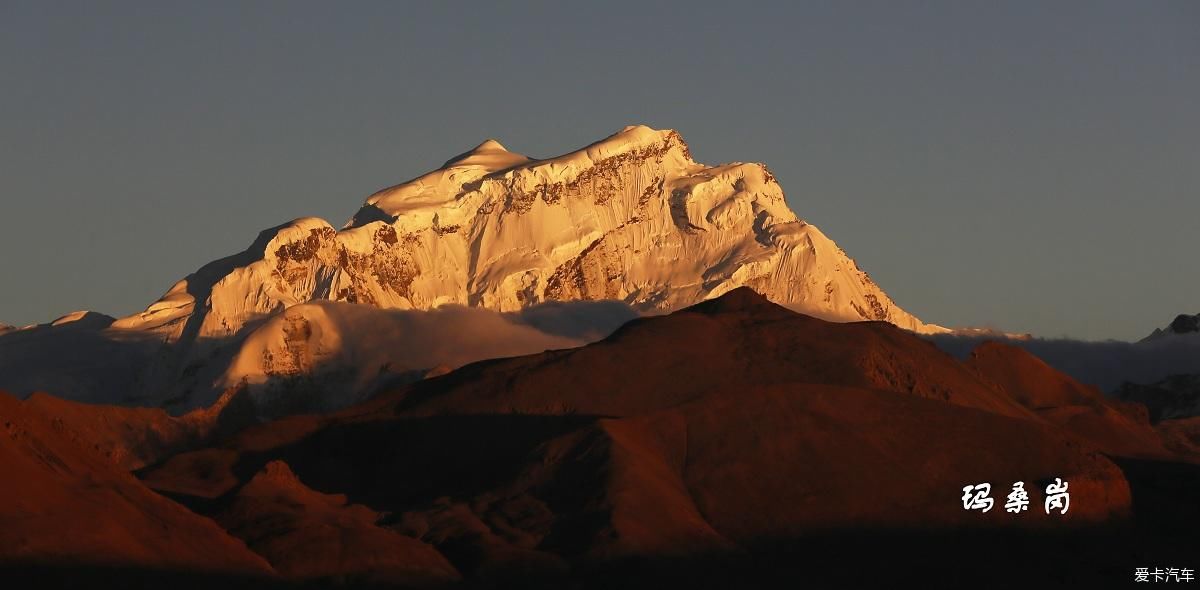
{"points": [[1027, 166]]}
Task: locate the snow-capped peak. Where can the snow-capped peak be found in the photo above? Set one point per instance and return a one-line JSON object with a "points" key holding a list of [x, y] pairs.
{"points": [[631, 217], [490, 155]]}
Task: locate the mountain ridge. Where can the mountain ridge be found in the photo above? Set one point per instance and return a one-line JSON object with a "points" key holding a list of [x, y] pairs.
{"points": [[1182, 324]]}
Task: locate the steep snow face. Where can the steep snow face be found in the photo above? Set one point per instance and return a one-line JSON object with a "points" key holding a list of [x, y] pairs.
{"points": [[631, 217]]}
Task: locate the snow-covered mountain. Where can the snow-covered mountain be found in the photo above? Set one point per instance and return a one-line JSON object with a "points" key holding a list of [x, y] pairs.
{"points": [[630, 218]]}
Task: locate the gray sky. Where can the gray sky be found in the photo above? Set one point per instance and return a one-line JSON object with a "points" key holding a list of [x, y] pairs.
{"points": [[1028, 166]]}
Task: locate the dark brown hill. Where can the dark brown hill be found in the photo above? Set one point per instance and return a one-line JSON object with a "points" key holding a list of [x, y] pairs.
{"points": [[1115, 427], [62, 502], [736, 341]]}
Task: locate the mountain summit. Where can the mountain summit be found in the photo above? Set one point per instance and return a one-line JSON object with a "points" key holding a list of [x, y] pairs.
{"points": [[490, 154]]}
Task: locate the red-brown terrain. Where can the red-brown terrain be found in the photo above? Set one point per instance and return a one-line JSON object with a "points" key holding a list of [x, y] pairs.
{"points": [[732, 443], [62, 502]]}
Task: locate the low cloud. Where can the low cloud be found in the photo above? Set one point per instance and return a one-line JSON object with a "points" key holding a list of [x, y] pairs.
{"points": [[454, 335], [325, 355], [338, 351], [586, 321], [1103, 364]]}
